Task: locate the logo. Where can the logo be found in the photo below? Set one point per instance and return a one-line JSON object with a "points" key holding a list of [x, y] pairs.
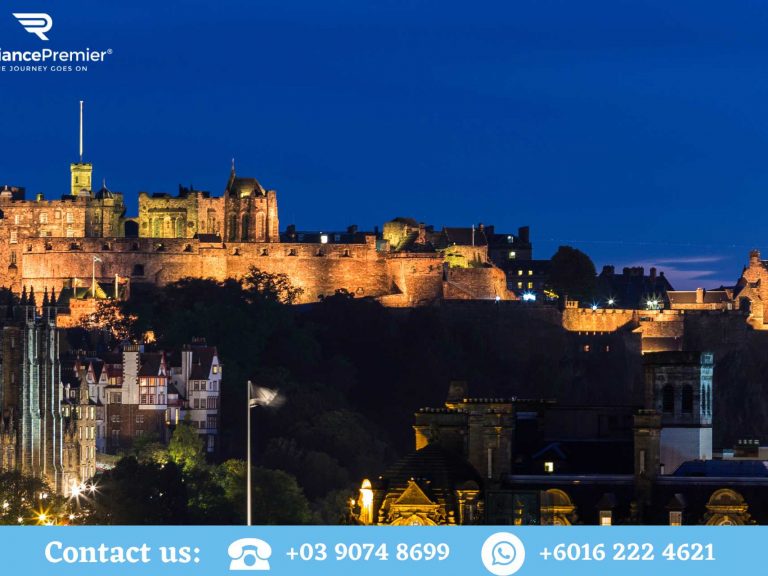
{"points": [[249, 554], [503, 554], [34, 23]]}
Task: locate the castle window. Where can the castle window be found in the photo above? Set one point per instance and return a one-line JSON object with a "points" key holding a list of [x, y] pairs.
{"points": [[48, 246], [346, 253], [106, 246], [74, 246], [16, 219], [70, 218], [261, 226], [264, 252], [519, 285], [519, 272], [70, 233], [160, 247], [668, 399], [292, 252], [549, 467], [188, 248], [687, 400], [605, 517], [675, 518], [323, 238], [236, 252], [43, 217], [512, 255], [57, 214], [14, 236], [232, 232], [246, 227], [585, 348], [180, 228], [138, 270]]}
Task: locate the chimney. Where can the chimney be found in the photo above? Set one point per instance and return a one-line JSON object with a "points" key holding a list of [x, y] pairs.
{"points": [[754, 258], [699, 295], [523, 233], [653, 274], [352, 229]]}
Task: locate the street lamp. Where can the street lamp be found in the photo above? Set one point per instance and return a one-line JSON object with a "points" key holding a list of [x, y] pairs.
{"points": [[257, 396]]}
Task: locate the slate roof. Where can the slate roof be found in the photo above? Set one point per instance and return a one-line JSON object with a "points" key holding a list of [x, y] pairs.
{"points": [[202, 359], [710, 296]]}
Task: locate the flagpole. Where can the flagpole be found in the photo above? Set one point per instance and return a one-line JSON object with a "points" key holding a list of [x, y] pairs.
{"points": [[248, 407]]}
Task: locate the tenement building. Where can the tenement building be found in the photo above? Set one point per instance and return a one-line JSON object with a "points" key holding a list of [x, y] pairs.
{"points": [[136, 392]]}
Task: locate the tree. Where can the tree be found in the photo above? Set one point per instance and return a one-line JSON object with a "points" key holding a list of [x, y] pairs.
{"points": [[278, 498], [186, 448], [136, 493], [25, 499], [572, 274], [110, 319], [273, 287]]}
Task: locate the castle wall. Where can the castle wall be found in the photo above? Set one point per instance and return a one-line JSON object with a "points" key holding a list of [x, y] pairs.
{"points": [[168, 216], [601, 320], [485, 283]]}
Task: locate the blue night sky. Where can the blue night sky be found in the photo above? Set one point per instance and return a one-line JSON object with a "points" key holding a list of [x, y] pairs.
{"points": [[636, 131]]}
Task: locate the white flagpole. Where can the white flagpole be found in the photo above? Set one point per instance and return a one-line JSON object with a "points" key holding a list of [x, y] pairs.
{"points": [[248, 407]]}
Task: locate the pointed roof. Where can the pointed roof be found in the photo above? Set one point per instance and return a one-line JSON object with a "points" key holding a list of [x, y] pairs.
{"points": [[413, 495]]}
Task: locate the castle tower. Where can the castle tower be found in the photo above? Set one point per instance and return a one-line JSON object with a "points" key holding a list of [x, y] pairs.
{"points": [[679, 387], [81, 172]]}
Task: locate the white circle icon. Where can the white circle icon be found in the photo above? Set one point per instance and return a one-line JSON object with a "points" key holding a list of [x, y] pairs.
{"points": [[503, 554]]}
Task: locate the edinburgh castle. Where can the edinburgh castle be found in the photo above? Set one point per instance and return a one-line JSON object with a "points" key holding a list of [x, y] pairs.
{"points": [[60, 244]]}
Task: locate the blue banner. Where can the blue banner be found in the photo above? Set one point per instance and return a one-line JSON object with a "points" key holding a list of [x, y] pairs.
{"points": [[314, 550]]}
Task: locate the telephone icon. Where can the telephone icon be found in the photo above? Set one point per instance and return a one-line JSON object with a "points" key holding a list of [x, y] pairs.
{"points": [[249, 554]]}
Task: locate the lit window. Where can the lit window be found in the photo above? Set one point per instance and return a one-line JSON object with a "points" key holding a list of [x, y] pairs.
{"points": [[520, 285], [215, 369], [519, 272], [530, 272], [586, 348], [324, 239], [676, 518], [605, 517], [14, 236], [512, 255], [549, 467], [530, 285]]}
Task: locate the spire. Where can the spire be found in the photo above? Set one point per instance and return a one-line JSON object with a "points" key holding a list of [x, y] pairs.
{"points": [[233, 167], [81, 131], [45, 297], [23, 300], [32, 296], [53, 297]]}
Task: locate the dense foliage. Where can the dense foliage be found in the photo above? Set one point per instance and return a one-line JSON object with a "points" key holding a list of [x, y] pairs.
{"points": [[353, 373]]}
